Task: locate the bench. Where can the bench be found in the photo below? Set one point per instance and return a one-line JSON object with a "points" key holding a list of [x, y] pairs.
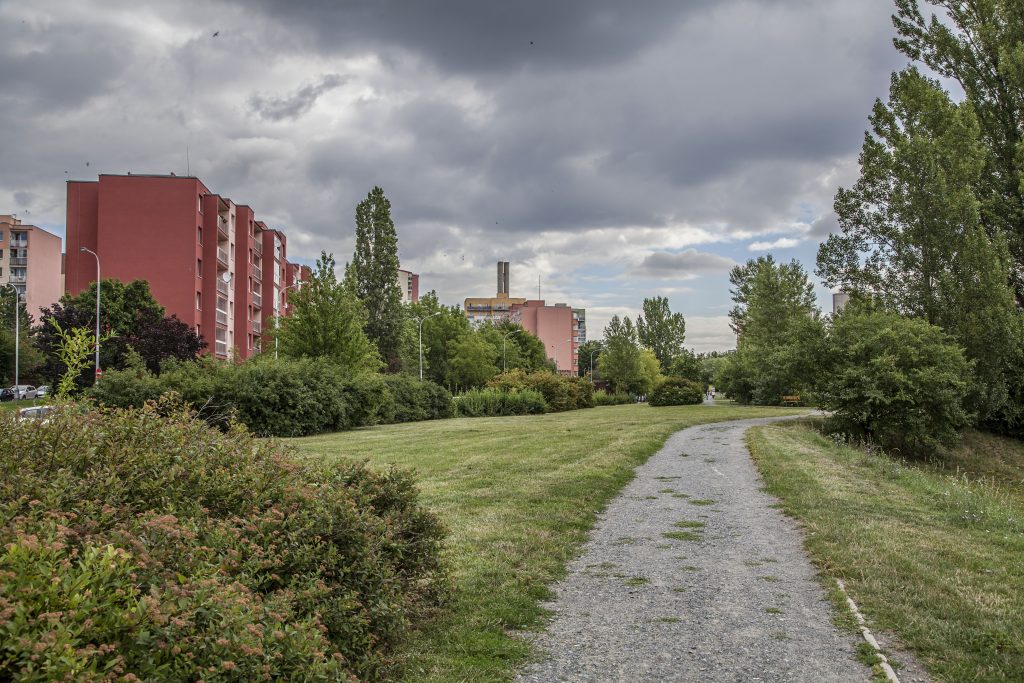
{"points": [[790, 400]]}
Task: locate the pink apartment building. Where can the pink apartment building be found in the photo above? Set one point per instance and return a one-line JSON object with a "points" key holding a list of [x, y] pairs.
{"points": [[32, 264], [207, 259]]}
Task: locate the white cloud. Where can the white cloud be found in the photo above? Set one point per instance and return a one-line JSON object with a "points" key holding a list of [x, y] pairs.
{"points": [[781, 243]]}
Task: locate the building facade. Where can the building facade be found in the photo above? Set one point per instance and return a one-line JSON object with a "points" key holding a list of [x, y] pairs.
{"points": [[409, 283], [561, 328], [208, 260], [30, 261]]}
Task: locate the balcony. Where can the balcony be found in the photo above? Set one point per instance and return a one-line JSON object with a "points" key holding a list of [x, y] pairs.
{"points": [[18, 243], [257, 299], [222, 318], [18, 279], [257, 273], [19, 261], [222, 287], [257, 245], [222, 348], [222, 227], [222, 256], [257, 327]]}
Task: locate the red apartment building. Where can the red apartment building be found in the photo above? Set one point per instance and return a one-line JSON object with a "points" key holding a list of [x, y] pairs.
{"points": [[556, 326], [207, 260]]}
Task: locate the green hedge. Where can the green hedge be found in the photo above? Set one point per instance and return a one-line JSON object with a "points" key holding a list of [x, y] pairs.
{"points": [[560, 392], [284, 397], [676, 391], [603, 398], [498, 403], [144, 542]]}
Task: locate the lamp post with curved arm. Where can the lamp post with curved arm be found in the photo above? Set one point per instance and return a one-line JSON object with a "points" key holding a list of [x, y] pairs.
{"points": [[504, 363], [592, 352], [420, 326], [97, 257]]}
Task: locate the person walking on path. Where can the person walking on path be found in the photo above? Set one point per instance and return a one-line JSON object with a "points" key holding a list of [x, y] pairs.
{"points": [[691, 575]]}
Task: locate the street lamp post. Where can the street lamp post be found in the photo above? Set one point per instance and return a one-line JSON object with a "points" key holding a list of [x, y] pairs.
{"points": [[555, 347], [96, 256], [504, 364], [420, 326], [17, 336], [592, 352], [277, 319]]}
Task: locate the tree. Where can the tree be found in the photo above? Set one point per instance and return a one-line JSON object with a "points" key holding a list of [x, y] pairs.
{"points": [[912, 234], [327, 322], [592, 348], [29, 358], [523, 349], [626, 365], [440, 332], [896, 380], [661, 330], [129, 318], [471, 362], [978, 44], [780, 333], [374, 273]]}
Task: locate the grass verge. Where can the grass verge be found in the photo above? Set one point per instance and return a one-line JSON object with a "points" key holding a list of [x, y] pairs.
{"points": [[518, 495], [929, 552]]}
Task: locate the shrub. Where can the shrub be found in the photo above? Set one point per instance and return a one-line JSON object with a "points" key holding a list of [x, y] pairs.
{"points": [[416, 400], [603, 398], [560, 393], [498, 403], [676, 391], [133, 543], [899, 381]]}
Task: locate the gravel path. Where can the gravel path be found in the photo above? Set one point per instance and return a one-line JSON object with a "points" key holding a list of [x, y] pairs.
{"points": [[733, 600]]}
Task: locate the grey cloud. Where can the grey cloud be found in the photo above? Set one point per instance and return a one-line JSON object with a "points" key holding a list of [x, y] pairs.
{"points": [[824, 226], [295, 105], [23, 199], [689, 262]]}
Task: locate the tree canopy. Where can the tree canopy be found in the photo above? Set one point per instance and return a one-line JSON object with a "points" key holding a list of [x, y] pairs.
{"points": [[662, 331]]}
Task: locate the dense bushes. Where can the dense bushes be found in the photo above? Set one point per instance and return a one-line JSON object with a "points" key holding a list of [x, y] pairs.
{"points": [[132, 543], [560, 392], [603, 398], [498, 403], [285, 397], [898, 381], [676, 391]]}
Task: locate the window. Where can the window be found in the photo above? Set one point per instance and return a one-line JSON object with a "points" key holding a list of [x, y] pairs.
{"points": [[199, 301], [199, 266], [199, 232], [199, 204]]}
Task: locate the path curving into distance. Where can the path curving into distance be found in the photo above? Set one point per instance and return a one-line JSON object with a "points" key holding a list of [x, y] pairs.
{"points": [[691, 575]]}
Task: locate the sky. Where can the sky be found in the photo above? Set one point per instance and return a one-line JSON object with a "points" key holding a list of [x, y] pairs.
{"points": [[611, 150]]}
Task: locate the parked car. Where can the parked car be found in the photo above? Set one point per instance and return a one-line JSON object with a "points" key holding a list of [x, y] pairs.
{"points": [[23, 391], [7, 394], [43, 391], [34, 413]]}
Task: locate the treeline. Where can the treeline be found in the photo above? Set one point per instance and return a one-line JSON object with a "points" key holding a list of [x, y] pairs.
{"points": [[931, 250]]}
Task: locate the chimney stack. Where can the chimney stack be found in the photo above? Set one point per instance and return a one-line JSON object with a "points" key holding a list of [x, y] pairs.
{"points": [[502, 278]]}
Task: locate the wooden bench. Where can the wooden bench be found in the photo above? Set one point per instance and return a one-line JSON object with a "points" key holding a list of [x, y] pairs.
{"points": [[790, 400]]}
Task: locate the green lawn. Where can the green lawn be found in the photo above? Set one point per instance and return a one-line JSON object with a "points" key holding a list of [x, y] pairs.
{"points": [[933, 553], [518, 495]]}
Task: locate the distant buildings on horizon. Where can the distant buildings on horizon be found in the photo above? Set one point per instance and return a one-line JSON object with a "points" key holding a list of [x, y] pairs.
{"points": [[30, 261]]}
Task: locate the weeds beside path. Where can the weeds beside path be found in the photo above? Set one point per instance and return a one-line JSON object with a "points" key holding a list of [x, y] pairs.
{"points": [[930, 554], [518, 495]]}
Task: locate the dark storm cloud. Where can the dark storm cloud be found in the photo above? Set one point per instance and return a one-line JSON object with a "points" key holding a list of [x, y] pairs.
{"points": [[474, 36], [296, 104], [684, 264]]}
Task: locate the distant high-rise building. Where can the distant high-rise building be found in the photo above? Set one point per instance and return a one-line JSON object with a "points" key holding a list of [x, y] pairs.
{"points": [[409, 284], [208, 260], [839, 301], [32, 264]]}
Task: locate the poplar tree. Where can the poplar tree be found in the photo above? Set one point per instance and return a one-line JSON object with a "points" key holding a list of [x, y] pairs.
{"points": [[374, 271], [662, 331]]}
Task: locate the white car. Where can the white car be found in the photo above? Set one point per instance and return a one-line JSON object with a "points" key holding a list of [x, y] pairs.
{"points": [[43, 391], [34, 413], [24, 391]]}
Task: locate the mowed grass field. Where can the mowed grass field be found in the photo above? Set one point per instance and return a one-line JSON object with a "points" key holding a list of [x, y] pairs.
{"points": [[518, 495], [931, 552]]}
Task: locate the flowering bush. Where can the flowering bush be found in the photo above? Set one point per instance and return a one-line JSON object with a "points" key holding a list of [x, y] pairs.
{"points": [[141, 545]]}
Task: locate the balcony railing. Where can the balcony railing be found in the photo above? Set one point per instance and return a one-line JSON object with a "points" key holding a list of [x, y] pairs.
{"points": [[16, 243], [222, 287], [222, 255], [257, 245], [222, 318], [222, 348], [19, 261], [257, 299], [257, 272], [18, 279], [257, 326], [222, 227]]}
